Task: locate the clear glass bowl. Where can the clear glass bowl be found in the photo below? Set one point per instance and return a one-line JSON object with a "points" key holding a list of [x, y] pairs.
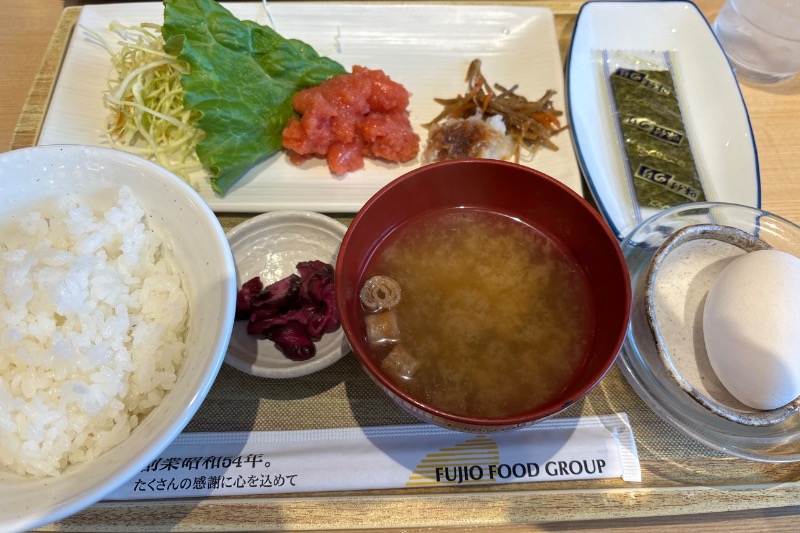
{"points": [[641, 364]]}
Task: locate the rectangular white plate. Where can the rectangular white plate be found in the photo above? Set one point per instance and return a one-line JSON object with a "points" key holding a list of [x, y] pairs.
{"points": [[427, 48], [712, 107]]}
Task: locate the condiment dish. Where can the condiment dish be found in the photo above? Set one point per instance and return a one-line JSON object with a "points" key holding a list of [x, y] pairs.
{"points": [[688, 270], [270, 246], [684, 354]]}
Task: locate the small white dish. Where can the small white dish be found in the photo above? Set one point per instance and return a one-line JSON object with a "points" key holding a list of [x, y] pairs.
{"points": [[712, 107], [642, 364], [677, 282], [270, 246]]}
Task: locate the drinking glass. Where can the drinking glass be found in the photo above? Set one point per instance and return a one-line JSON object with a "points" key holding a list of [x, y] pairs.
{"points": [[761, 38]]}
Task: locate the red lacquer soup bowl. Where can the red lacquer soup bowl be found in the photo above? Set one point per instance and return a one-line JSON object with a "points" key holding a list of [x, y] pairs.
{"points": [[527, 196]]}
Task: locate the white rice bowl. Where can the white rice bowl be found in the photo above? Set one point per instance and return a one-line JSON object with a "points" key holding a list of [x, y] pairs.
{"points": [[127, 298]]}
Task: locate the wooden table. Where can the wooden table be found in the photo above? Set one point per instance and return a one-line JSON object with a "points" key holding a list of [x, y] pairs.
{"points": [[685, 486]]}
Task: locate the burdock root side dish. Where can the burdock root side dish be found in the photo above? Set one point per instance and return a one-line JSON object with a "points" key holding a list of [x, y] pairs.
{"points": [[491, 121]]}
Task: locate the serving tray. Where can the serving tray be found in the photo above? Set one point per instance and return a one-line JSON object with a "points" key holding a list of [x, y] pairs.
{"points": [[679, 475]]}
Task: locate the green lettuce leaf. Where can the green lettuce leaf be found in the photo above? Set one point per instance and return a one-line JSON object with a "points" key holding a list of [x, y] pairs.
{"points": [[242, 80]]}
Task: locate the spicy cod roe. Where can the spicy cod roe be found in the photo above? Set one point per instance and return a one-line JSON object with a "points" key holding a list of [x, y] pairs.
{"points": [[350, 117]]}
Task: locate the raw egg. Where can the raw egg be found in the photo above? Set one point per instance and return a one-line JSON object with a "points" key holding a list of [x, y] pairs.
{"points": [[750, 328]]}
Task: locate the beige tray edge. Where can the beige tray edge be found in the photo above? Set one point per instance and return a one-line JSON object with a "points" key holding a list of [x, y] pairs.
{"points": [[380, 511]]}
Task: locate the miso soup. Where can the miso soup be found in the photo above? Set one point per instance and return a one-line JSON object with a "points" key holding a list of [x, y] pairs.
{"points": [[495, 317]]}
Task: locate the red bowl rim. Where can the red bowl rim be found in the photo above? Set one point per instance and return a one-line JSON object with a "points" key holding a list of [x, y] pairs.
{"points": [[511, 421]]}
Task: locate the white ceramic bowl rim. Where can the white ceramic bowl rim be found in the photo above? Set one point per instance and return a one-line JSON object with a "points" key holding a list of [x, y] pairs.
{"points": [[29, 503], [287, 237]]}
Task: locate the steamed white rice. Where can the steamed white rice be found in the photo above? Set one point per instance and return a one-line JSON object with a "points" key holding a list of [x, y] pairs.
{"points": [[92, 330]]}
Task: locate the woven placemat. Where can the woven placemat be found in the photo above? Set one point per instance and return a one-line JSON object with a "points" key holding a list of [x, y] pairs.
{"points": [[344, 396]]}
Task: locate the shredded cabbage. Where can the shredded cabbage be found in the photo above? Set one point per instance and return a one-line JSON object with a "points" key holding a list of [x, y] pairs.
{"points": [[145, 97]]}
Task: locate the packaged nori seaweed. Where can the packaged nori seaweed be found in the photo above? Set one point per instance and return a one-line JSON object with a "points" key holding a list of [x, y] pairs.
{"points": [[661, 168]]}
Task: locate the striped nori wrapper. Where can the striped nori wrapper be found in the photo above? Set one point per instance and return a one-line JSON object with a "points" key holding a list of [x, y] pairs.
{"points": [[656, 145]]}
